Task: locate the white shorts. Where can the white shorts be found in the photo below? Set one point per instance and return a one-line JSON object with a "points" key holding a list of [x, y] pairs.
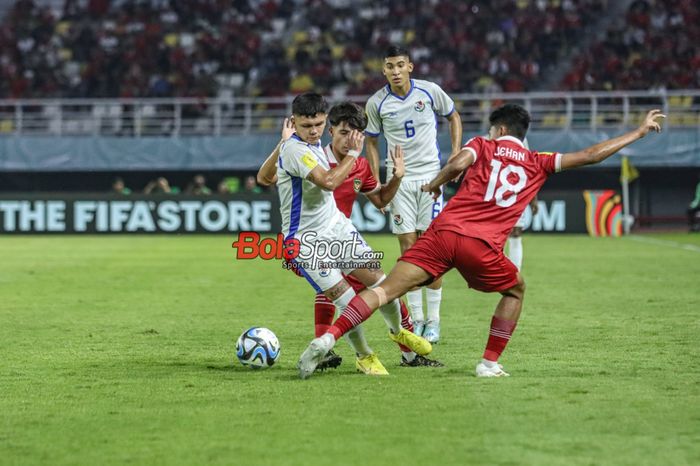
{"points": [[412, 209], [324, 258]]}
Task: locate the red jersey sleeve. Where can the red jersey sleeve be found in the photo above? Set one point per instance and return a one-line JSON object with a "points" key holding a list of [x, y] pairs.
{"points": [[369, 182], [550, 162], [475, 146]]}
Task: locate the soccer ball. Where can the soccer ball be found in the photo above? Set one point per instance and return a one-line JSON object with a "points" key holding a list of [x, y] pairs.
{"points": [[258, 348]]}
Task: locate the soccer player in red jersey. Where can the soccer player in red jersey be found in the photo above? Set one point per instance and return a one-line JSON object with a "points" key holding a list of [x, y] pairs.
{"points": [[345, 117], [470, 232]]}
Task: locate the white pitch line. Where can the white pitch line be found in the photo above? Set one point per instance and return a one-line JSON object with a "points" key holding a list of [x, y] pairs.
{"points": [[664, 242]]}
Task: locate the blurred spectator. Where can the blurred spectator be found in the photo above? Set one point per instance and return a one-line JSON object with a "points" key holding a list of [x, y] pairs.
{"points": [[222, 188], [158, 186], [118, 186], [229, 185], [198, 186], [250, 185]]}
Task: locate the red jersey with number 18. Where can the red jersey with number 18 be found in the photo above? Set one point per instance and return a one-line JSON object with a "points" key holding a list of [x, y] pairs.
{"points": [[497, 188]]}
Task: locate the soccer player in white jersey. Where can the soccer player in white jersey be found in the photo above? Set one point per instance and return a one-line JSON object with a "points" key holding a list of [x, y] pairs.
{"points": [[310, 216], [406, 111]]}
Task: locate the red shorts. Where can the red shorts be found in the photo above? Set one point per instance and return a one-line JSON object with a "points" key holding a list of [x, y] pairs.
{"points": [[356, 284], [484, 268]]}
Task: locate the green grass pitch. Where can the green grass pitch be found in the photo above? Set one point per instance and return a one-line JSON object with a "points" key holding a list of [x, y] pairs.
{"points": [[120, 350]]}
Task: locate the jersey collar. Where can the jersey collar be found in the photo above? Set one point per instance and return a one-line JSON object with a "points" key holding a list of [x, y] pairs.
{"points": [[294, 136], [388, 87], [330, 155], [511, 139]]}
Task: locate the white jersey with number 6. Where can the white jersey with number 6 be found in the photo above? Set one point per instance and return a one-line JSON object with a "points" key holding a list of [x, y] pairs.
{"points": [[411, 122]]}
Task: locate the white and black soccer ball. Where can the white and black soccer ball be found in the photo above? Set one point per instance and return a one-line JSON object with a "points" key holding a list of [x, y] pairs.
{"points": [[258, 348]]}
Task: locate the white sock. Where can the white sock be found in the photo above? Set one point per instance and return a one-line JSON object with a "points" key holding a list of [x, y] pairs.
{"points": [[433, 299], [342, 301], [358, 342], [390, 311], [415, 304], [408, 356], [515, 251], [392, 315]]}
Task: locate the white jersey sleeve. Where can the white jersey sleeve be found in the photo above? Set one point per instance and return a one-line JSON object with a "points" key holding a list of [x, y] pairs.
{"points": [[297, 160], [374, 121], [442, 104]]}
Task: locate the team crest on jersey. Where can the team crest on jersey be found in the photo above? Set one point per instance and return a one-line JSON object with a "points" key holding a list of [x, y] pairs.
{"points": [[357, 184], [397, 219], [324, 272], [420, 106]]}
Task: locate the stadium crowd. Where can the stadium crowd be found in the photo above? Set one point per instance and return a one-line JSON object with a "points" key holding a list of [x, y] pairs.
{"points": [[655, 35], [160, 48], [197, 186]]}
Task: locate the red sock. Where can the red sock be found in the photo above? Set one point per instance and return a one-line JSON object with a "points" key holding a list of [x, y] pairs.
{"points": [[500, 333], [406, 323], [324, 311], [353, 315]]}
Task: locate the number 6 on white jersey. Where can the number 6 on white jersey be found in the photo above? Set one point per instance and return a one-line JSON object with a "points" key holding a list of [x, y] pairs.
{"points": [[506, 186]]}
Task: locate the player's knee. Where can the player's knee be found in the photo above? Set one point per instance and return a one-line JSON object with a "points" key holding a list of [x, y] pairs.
{"points": [[516, 232], [517, 291]]}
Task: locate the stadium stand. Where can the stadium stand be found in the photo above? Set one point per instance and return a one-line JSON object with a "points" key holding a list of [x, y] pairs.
{"points": [[197, 48], [234, 65], [655, 35]]}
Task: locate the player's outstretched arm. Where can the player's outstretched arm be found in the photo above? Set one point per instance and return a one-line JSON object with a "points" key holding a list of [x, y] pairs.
{"points": [[373, 155], [267, 174], [386, 193], [455, 122], [601, 151], [331, 179], [453, 169]]}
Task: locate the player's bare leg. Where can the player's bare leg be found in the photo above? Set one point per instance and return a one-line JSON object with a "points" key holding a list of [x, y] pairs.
{"points": [[391, 311], [503, 325]]}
